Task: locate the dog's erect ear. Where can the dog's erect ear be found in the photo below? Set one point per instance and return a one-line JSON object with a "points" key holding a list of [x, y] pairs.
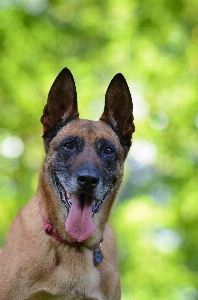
{"points": [[61, 105], [118, 111], [61, 102]]}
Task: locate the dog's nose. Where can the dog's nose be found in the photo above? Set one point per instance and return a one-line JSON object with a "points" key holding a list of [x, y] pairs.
{"points": [[88, 179]]}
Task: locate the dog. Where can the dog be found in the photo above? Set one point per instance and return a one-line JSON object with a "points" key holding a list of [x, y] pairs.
{"points": [[60, 246]]}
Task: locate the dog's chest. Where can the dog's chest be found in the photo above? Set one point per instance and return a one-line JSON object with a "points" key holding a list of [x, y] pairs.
{"points": [[75, 279], [81, 283]]}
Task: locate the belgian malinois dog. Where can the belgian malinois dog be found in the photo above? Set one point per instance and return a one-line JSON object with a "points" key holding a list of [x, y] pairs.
{"points": [[60, 246]]}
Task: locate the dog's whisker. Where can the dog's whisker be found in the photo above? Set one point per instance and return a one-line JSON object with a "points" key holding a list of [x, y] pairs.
{"points": [[69, 196]]}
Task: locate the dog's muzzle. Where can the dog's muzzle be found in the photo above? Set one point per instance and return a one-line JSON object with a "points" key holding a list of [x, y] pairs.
{"points": [[87, 182]]}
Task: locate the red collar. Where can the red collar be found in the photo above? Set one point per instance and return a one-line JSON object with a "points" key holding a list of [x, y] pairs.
{"points": [[48, 228]]}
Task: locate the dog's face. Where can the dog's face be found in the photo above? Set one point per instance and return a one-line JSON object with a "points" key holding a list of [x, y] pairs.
{"points": [[85, 158]]}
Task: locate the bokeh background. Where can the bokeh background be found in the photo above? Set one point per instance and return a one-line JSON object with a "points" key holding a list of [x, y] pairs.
{"points": [[155, 45]]}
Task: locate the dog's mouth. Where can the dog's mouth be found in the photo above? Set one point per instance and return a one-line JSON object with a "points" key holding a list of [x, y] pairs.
{"points": [[81, 208]]}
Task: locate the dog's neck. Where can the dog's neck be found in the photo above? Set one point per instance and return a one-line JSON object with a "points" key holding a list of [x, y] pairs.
{"points": [[96, 248]]}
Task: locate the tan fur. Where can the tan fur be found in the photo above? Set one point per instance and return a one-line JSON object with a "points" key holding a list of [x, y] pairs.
{"points": [[33, 264]]}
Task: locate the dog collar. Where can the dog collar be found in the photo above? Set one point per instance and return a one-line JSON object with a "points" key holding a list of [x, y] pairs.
{"points": [[97, 248]]}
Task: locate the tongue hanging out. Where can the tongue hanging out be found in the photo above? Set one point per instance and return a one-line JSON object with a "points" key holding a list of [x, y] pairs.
{"points": [[79, 224]]}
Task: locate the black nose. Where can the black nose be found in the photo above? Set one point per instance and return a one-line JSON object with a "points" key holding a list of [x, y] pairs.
{"points": [[88, 179]]}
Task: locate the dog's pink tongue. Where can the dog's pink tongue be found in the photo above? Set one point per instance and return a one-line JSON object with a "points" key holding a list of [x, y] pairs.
{"points": [[79, 223]]}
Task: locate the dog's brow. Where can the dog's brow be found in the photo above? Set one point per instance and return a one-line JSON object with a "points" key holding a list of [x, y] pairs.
{"points": [[104, 141], [79, 140]]}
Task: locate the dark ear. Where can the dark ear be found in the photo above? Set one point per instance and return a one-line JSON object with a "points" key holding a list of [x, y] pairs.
{"points": [[61, 105], [118, 110]]}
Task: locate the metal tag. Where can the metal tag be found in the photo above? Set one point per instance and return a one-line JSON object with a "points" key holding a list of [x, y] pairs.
{"points": [[98, 257]]}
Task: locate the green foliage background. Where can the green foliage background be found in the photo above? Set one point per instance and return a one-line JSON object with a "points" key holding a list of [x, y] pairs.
{"points": [[155, 45]]}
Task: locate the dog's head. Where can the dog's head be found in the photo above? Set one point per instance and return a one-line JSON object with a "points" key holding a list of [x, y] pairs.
{"points": [[85, 158]]}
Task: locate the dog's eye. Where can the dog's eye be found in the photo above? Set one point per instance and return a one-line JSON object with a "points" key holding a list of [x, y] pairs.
{"points": [[69, 145], [108, 150]]}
